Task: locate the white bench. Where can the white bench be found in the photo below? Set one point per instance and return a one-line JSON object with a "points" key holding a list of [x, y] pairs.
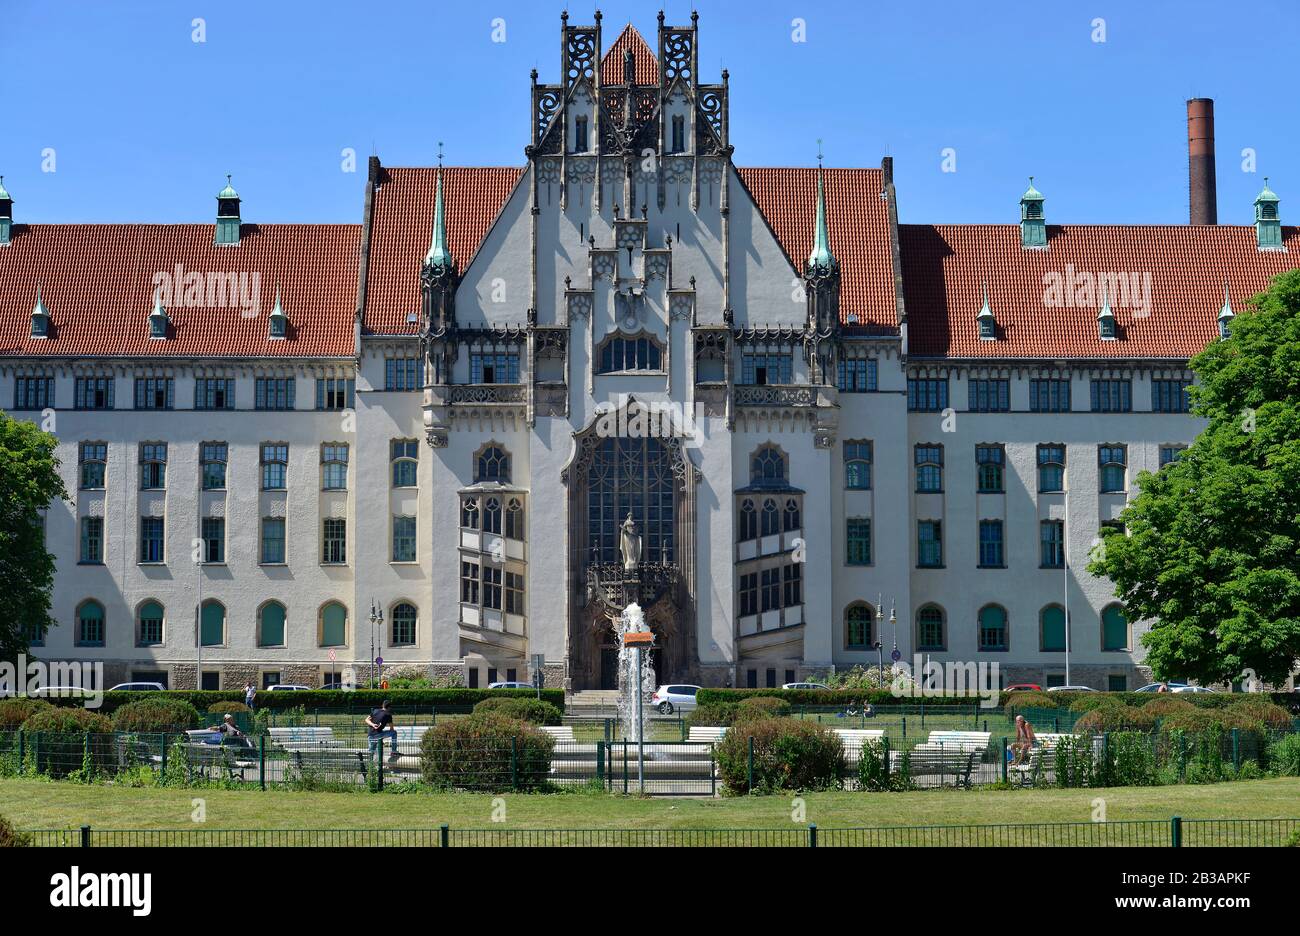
{"points": [[303, 738], [853, 740], [1041, 757], [561, 733], [943, 753], [706, 734]]}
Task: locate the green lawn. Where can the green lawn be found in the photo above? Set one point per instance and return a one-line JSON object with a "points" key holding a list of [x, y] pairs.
{"points": [[46, 805]]}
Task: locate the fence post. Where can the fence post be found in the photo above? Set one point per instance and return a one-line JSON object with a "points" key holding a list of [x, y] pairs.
{"points": [[381, 763], [713, 770], [922, 714], [261, 761], [22, 752], [1176, 831], [1056, 724], [514, 763], [749, 769], [87, 762], [1004, 758], [600, 762], [85, 836], [1105, 758], [162, 763], [1236, 748], [884, 752], [444, 836], [812, 835], [904, 726]]}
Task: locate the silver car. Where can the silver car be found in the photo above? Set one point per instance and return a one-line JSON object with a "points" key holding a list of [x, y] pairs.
{"points": [[670, 699]]}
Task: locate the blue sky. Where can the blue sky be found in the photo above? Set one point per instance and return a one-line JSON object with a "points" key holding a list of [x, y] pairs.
{"points": [[144, 122]]}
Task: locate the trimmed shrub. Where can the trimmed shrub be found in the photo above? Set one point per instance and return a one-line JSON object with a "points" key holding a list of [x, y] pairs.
{"points": [[763, 707], [1284, 756], [1164, 705], [713, 714], [1017, 702], [1257, 712], [221, 708], [532, 711], [71, 741], [789, 754], [486, 751], [153, 716], [11, 837], [356, 700], [1115, 717], [13, 712], [1087, 701]]}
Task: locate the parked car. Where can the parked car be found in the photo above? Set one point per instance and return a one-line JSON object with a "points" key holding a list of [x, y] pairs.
{"points": [[1193, 689], [334, 685], [511, 685], [287, 687], [669, 699], [1155, 687], [1070, 689], [1024, 687], [52, 692], [138, 687], [804, 685]]}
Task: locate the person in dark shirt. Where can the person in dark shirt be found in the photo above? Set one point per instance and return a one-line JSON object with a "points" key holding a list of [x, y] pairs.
{"points": [[379, 725]]}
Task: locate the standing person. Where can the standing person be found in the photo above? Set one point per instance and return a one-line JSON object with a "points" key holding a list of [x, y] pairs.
{"points": [[1025, 739], [379, 724], [250, 696]]}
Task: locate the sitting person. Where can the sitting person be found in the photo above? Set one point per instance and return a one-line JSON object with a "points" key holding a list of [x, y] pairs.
{"points": [[1025, 740], [228, 730]]}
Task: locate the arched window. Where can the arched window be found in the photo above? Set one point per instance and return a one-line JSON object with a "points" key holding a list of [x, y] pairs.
{"points": [[768, 467], [149, 625], [469, 513], [993, 628], [270, 625], [639, 353], [631, 476], [333, 625], [492, 464], [403, 617], [790, 520], [771, 523], [515, 519], [212, 624], [492, 515], [405, 457], [931, 634], [1114, 629], [857, 465], [748, 520], [1051, 629], [858, 621], [90, 624]]}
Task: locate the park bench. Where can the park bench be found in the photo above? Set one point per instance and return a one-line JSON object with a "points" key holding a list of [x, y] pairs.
{"points": [[561, 733], [1041, 757], [944, 753], [854, 740], [706, 734], [332, 761], [303, 738]]}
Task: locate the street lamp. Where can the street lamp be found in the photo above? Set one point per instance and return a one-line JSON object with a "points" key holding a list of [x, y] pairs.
{"points": [[376, 622]]}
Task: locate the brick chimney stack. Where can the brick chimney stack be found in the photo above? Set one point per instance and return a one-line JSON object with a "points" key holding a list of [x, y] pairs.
{"points": [[1202, 200]]}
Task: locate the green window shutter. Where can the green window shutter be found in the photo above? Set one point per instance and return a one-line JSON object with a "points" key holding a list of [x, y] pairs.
{"points": [[213, 625], [1052, 622], [272, 625], [1114, 629], [334, 625]]}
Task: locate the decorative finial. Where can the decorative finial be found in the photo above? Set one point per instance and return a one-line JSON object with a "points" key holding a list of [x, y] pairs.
{"points": [[440, 154]]}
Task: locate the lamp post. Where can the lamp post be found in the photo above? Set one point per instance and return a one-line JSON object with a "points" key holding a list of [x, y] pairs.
{"points": [[880, 637], [376, 622]]}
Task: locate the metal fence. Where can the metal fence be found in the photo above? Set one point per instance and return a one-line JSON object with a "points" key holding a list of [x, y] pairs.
{"points": [[1145, 833]]}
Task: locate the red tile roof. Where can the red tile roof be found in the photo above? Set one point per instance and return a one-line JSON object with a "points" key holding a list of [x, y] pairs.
{"points": [[858, 219], [945, 267], [643, 57], [402, 226], [97, 282]]}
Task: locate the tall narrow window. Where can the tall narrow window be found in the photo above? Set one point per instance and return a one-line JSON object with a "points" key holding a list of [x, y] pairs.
{"points": [[403, 539], [153, 466], [491, 586], [993, 628], [334, 466], [930, 632], [270, 625], [580, 135], [94, 460], [335, 393], [492, 464], [1114, 629], [275, 466], [1051, 469], [90, 624], [858, 622], [212, 624], [1051, 629], [792, 585], [514, 519], [468, 582], [273, 541], [857, 549], [1112, 461], [404, 617], [334, 543], [857, 465], [404, 454], [150, 627], [212, 462], [929, 468], [679, 134], [1051, 538], [92, 540], [514, 593], [989, 461], [929, 544], [992, 550], [151, 539], [749, 594], [333, 625], [214, 539]]}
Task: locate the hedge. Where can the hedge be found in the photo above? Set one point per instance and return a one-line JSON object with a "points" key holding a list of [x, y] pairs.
{"points": [[1062, 700], [71, 740], [355, 700], [487, 752], [789, 754], [13, 712], [526, 710], [155, 716], [10, 837]]}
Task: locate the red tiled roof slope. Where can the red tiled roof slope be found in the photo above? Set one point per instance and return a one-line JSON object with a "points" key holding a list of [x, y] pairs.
{"points": [[402, 226], [97, 282], [945, 267], [643, 57], [858, 221]]}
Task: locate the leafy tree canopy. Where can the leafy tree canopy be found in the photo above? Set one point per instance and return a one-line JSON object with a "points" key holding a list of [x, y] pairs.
{"points": [[29, 482]]}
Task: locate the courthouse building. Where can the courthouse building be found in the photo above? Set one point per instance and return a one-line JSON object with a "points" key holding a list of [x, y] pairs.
{"points": [[292, 448]]}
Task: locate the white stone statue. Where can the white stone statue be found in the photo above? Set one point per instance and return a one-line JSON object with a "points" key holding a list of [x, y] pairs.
{"points": [[630, 545]]}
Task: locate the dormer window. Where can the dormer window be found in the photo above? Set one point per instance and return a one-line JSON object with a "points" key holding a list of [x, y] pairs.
{"points": [[279, 321], [158, 320], [1106, 328], [580, 144], [40, 318], [679, 134]]}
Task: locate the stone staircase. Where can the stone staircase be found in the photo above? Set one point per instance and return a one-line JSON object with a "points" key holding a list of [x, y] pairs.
{"points": [[593, 703]]}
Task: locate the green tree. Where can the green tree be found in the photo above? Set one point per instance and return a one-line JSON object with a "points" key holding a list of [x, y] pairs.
{"points": [[1213, 552], [29, 482]]}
